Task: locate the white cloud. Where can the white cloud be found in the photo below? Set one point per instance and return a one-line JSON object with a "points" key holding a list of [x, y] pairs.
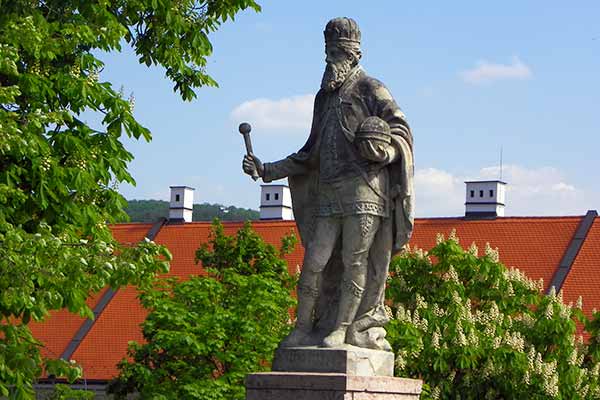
{"points": [[530, 192], [286, 115], [541, 191], [486, 72], [438, 193], [563, 187]]}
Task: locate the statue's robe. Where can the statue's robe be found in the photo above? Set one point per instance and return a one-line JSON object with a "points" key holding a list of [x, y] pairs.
{"points": [[359, 97]]}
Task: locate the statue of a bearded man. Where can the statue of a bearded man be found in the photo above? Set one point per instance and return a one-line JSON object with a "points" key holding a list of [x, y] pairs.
{"points": [[352, 193]]}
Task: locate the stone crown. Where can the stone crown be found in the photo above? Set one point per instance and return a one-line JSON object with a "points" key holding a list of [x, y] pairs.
{"points": [[342, 29]]}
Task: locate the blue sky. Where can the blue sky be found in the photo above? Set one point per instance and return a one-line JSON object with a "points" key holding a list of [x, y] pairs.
{"points": [[471, 77]]}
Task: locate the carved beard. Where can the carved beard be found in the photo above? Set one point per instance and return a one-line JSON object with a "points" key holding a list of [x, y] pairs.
{"points": [[335, 74]]}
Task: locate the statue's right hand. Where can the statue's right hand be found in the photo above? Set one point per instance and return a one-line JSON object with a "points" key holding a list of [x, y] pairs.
{"points": [[252, 165]]}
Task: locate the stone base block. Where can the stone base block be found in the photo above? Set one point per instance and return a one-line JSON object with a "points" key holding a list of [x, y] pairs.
{"points": [[321, 386], [350, 360]]}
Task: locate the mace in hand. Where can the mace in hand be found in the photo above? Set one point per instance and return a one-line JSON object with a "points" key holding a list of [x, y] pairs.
{"points": [[251, 164]]}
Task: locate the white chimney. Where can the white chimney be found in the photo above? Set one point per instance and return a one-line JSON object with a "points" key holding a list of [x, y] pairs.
{"points": [[182, 204], [485, 199], [276, 202]]}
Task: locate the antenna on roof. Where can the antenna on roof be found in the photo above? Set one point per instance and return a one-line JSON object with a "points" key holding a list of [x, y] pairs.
{"points": [[500, 162]]}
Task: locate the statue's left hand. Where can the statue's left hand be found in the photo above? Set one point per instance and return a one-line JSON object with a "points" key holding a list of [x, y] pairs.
{"points": [[373, 151]]}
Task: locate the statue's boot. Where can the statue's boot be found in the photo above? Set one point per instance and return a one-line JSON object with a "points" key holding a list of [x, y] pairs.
{"points": [[307, 301], [349, 302], [299, 336]]}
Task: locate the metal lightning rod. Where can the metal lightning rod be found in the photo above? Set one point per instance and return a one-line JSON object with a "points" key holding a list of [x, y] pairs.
{"points": [[500, 162]]}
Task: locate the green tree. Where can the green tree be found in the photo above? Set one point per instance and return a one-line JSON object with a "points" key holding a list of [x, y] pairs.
{"points": [[57, 174], [473, 329], [64, 392], [153, 210], [205, 334], [147, 210]]}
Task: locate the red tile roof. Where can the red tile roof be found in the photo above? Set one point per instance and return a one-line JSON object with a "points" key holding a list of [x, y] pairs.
{"points": [[130, 233], [584, 278], [106, 343], [58, 330], [184, 239], [535, 245]]}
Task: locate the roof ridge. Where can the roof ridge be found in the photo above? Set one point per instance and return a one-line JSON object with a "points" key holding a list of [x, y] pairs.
{"points": [[124, 224], [502, 219], [572, 251], [102, 304]]}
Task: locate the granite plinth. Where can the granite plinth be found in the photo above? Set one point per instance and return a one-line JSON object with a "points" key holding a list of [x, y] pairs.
{"points": [[323, 386], [351, 360]]}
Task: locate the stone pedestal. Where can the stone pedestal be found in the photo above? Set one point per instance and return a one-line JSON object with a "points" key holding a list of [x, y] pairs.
{"points": [[350, 360], [329, 386], [316, 373]]}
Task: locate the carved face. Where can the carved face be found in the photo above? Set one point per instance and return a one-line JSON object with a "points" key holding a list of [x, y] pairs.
{"points": [[339, 65], [334, 53]]}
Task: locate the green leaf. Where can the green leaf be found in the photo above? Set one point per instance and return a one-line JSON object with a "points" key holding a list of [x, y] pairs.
{"points": [[55, 197]]}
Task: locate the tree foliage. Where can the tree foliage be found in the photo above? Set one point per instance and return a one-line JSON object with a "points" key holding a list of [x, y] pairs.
{"points": [[153, 210], [57, 174], [205, 334], [473, 329]]}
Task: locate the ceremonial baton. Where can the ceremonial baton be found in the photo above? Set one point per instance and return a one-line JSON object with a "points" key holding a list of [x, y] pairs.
{"points": [[245, 129]]}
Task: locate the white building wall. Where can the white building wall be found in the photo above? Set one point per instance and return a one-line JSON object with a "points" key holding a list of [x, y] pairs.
{"points": [[485, 197], [276, 202], [287, 214], [482, 208], [181, 203]]}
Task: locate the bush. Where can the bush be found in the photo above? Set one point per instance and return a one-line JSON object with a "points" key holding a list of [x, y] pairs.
{"points": [[473, 329]]}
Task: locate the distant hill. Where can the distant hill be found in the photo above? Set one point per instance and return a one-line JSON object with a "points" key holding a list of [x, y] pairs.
{"points": [[152, 210]]}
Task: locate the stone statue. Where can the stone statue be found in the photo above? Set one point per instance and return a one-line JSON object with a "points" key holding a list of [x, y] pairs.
{"points": [[352, 193]]}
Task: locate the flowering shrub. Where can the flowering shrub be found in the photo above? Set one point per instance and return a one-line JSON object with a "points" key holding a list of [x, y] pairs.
{"points": [[473, 329]]}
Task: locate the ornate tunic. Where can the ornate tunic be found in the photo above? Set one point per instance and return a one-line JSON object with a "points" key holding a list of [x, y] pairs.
{"points": [[349, 184]]}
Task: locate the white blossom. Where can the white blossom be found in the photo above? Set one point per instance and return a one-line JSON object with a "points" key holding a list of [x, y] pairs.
{"points": [[388, 312], [473, 250], [564, 310], [461, 339], [540, 284], [509, 290], [572, 360], [453, 236], [453, 275], [452, 375], [435, 339], [131, 102], [400, 361], [420, 302], [402, 314], [493, 254], [437, 311], [496, 342], [439, 238]]}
